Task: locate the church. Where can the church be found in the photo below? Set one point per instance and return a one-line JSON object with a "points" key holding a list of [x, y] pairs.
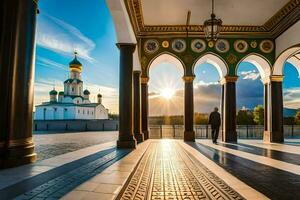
{"points": [[73, 102]]}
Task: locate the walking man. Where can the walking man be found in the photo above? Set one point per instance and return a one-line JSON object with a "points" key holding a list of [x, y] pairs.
{"points": [[215, 122]]}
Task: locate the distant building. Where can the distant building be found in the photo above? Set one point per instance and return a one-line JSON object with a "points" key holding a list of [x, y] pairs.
{"points": [[73, 102]]}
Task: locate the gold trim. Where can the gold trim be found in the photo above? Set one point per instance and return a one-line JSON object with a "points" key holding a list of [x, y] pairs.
{"points": [[144, 80], [228, 79], [18, 142], [188, 79], [276, 78], [271, 29]]}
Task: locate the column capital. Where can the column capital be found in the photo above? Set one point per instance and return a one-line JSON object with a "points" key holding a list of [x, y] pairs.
{"points": [[130, 46], [188, 78], [228, 79], [144, 79], [276, 78]]}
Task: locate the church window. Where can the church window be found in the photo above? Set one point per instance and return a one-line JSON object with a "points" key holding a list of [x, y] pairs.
{"points": [[88, 112], [72, 89], [78, 111], [83, 111]]}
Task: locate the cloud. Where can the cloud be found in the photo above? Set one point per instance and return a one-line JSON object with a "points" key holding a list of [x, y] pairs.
{"points": [[291, 97], [61, 37], [207, 95], [251, 75], [45, 62]]}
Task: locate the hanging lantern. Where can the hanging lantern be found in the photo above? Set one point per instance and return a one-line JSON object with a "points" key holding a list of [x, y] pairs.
{"points": [[212, 27]]}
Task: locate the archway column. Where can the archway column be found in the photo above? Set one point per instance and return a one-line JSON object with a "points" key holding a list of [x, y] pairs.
{"points": [[126, 137], [145, 106], [17, 47], [229, 133], [274, 132], [189, 133], [137, 106]]}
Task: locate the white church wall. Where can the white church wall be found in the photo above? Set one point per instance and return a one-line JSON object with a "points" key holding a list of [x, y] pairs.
{"points": [[101, 112], [68, 100], [287, 39]]}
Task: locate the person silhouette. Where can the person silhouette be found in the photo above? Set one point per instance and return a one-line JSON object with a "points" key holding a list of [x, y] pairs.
{"points": [[215, 122]]}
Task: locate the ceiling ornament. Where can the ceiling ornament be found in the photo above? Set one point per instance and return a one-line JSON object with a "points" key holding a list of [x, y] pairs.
{"points": [[240, 46], [277, 24]]}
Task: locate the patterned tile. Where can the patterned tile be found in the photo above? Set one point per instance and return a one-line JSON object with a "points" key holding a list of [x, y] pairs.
{"points": [[167, 171]]}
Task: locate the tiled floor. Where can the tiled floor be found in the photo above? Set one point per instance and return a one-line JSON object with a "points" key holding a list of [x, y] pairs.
{"points": [[163, 169]]}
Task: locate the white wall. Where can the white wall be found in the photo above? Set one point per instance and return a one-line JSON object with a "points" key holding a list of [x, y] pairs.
{"points": [[289, 38]]}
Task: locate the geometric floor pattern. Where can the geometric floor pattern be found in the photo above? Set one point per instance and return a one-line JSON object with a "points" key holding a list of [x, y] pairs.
{"points": [[168, 171]]}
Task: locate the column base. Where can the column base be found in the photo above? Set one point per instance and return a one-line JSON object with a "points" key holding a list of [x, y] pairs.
{"points": [[17, 155], [131, 144], [139, 137], [189, 136], [230, 137], [273, 137], [146, 134]]}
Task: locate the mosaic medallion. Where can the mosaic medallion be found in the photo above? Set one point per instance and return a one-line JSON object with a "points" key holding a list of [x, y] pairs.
{"points": [[222, 46], [198, 45], [241, 46], [151, 46], [178, 45], [253, 44], [211, 44], [266, 46], [165, 44]]}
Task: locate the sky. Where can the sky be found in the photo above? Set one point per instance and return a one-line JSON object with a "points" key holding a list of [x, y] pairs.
{"points": [[65, 26]]}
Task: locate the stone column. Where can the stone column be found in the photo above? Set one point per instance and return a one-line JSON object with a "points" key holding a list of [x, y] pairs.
{"points": [[126, 138], [189, 133], [145, 107], [266, 106], [17, 50], [275, 113], [222, 112], [229, 109], [137, 106]]}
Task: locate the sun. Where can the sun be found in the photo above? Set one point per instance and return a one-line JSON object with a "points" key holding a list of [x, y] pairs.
{"points": [[167, 93]]}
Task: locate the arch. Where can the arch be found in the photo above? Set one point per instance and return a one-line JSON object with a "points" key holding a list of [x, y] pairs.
{"points": [[214, 60], [166, 57], [260, 62], [283, 57], [295, 61]]}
